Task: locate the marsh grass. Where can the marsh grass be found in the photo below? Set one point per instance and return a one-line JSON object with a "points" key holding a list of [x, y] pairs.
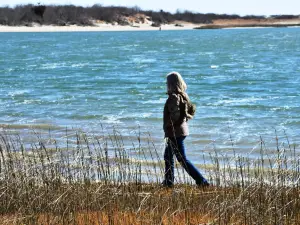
{"points": [[108, 179]]}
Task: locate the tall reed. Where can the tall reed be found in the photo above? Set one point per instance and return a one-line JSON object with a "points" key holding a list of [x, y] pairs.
{"points": [[112, 179]]}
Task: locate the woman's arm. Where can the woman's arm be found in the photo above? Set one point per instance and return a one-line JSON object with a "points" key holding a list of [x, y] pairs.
{"points": [[173, 106]]}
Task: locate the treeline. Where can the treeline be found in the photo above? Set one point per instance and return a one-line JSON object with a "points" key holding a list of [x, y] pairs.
{"points": [[70, 14], [57, 15], [284, 17]]}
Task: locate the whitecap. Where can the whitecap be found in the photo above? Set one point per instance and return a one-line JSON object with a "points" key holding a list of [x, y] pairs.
{"points": [[79, 65], [248, 66], [157, 101], [281, 108], [233, 64], [143, 60], [31, 101], [18, 93], [206, 53], [112, 119], [145, 115], [52, 65], [236, 101]]}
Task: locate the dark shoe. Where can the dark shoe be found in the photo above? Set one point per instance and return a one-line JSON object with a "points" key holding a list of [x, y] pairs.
{"points": [[167, 184]]}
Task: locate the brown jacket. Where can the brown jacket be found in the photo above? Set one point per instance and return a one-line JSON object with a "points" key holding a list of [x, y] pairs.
{"points": [[176, 116]]}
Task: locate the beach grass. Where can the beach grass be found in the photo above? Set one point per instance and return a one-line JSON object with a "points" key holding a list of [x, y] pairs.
{"points": [[96, 179]]}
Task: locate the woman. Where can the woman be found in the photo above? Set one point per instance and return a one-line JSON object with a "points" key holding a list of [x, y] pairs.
{"points": [[176, 114]]}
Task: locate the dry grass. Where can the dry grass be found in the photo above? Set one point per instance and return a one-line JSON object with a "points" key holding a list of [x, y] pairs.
{"points": [[240, 22], [245, 22], [96, 180]]}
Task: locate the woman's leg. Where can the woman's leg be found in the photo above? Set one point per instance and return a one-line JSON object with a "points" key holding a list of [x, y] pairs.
{"points": [[169, 164], [187, 165]]}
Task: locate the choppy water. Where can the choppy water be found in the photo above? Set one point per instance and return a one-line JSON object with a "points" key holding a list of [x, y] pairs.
{"points": [[245, 82]]}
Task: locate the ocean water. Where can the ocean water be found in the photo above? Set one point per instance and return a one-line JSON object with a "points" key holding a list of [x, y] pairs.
{"points": [[245, 83]]}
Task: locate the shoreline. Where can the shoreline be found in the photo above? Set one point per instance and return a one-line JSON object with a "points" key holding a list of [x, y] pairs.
{"points": [[177, 25], [211, 27], [97, 28]]}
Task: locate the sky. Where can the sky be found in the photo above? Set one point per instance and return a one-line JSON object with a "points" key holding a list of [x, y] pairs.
{"points": [[240, 7]]}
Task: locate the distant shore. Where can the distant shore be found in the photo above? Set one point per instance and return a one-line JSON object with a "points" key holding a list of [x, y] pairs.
{"points": [[240, 23], [177, 25], [101, 27]]}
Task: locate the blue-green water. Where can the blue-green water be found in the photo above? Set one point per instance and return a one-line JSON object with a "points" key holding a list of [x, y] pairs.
{"points": [[245, 82]]}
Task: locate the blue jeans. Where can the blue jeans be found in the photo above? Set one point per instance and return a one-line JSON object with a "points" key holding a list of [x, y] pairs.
{"points": [[176, 146]]}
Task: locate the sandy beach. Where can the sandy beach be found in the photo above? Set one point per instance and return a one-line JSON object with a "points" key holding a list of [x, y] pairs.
{"points": [[177, 25], [97, 27]]}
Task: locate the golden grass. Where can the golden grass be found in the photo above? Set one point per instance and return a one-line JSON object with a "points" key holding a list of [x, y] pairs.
{"points": [[94, 180], [118, 218]]}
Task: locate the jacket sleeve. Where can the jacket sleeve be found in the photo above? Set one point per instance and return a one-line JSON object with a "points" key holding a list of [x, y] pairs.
{"points": [[186, 112], [173, 106]]}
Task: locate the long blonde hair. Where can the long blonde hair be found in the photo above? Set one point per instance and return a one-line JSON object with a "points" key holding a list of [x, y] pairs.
{"points": [[176, 83]]}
